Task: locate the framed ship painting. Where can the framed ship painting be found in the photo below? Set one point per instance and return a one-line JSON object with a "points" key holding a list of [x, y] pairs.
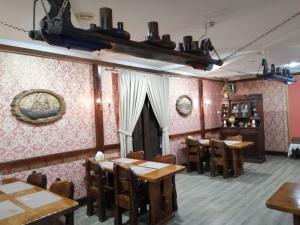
{"points": [[184, 105], [38, 106]]}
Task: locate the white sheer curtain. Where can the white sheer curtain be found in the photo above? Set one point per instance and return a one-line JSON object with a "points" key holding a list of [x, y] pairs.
{"points": [[158, 93], [133, 88]]}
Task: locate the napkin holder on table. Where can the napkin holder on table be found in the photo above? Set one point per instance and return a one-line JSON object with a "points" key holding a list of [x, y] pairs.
{"points": [[99, 157]]}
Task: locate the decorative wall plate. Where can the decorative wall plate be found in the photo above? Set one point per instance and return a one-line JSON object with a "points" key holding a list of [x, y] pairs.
{"points": [[184, 105], [38, 106]]}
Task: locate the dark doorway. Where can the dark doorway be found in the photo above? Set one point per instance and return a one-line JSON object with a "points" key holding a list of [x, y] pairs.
{"points": [[147, 133]]}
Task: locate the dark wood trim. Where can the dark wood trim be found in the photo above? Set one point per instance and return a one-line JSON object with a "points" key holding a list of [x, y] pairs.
{"points": [[45, 160], [201, 108], [32, 52], [276, 153], [175, 136], [111, 147], [99, 128]]}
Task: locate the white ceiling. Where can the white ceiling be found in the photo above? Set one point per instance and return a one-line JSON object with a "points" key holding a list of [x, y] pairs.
{"points": [[237, 23]]}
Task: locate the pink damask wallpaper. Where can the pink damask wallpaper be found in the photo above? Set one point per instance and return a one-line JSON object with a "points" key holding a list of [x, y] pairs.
{"points": [[212, 91], [275, 111], [73, 81], [110, 101], [180, 124], [184, 86]]}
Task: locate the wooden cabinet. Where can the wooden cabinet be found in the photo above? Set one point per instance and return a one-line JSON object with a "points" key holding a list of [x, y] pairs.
{"points": [[249, 122]]}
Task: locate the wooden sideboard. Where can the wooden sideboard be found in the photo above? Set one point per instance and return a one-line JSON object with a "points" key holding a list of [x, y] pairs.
{"points": [[248, 112]]}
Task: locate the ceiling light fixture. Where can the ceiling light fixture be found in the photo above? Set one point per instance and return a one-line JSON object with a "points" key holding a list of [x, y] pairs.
{"points": [[278, 73]]}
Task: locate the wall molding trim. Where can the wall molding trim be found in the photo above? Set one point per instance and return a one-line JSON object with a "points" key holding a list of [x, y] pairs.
{"points": [[276, 153], [175, 136], [45, 160], [51, 159]]}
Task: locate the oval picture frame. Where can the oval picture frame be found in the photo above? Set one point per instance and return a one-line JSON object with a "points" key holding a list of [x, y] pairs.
{"points": [[184, 105], [38, 106]]}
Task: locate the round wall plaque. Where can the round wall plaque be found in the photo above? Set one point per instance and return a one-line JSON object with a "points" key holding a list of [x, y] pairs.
{"points": [[38, 106], [184, 105]]}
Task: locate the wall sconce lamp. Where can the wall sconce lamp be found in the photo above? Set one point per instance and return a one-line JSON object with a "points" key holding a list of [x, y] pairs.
{"points": [[206, 102], [98, 101]]}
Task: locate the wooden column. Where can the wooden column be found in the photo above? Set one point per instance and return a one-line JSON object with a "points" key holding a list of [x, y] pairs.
{"points": [[98, 109], [201, 108]]}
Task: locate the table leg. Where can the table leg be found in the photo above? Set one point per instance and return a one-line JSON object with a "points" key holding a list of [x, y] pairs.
{"points": [[238, 163], [235, 163], [241, 162], [296, 219], [161, 201]]}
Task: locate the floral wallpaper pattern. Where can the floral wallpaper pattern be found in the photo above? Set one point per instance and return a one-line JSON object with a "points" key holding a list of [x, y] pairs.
{"points": [[110, 101], [71, 80], [178, 87], [212, 91], [275, 110], [180, 124]]}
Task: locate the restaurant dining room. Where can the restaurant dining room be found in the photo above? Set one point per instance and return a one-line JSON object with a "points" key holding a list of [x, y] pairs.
{"points": [[149, 112]]}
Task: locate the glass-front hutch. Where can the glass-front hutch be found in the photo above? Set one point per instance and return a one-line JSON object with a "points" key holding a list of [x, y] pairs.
{"points": [[244, 115]]}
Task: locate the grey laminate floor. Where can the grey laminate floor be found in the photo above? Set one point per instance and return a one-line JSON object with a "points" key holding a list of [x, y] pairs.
{"points": [[206, 200]]}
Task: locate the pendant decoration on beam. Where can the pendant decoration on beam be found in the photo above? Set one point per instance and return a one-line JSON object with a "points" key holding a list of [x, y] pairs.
{"points": [[57, 29]]}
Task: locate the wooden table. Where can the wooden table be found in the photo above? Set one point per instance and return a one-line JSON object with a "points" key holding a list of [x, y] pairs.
{"points": [[160, 196], [237, 154], [287, 199], [47, 214]]}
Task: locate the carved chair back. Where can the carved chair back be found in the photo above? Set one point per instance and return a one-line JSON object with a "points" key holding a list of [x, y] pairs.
{"points": [[220, 156], [128, 194], [136, 155], [98, 189], [169, 159], [63, 188], [37, 179], [94, 175], [218, 149]]}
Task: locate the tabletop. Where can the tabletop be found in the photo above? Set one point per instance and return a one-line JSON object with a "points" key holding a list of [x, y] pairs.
{"points": [[235, 145], [147, 170], [20, 202], [286, 199], [292, 147]]}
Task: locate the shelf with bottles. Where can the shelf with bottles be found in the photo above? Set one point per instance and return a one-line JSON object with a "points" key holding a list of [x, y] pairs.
{"points": [[225, 110], [242, 123], [254, 110], [240, 109]]}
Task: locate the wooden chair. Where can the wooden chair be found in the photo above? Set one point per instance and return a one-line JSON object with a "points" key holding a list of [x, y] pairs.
{"points": [[219, 156], [97, 189], [65, 189], [129, 195], [169, 159], [37, 179], [196, 154], [234, 138], [136, 155]]}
